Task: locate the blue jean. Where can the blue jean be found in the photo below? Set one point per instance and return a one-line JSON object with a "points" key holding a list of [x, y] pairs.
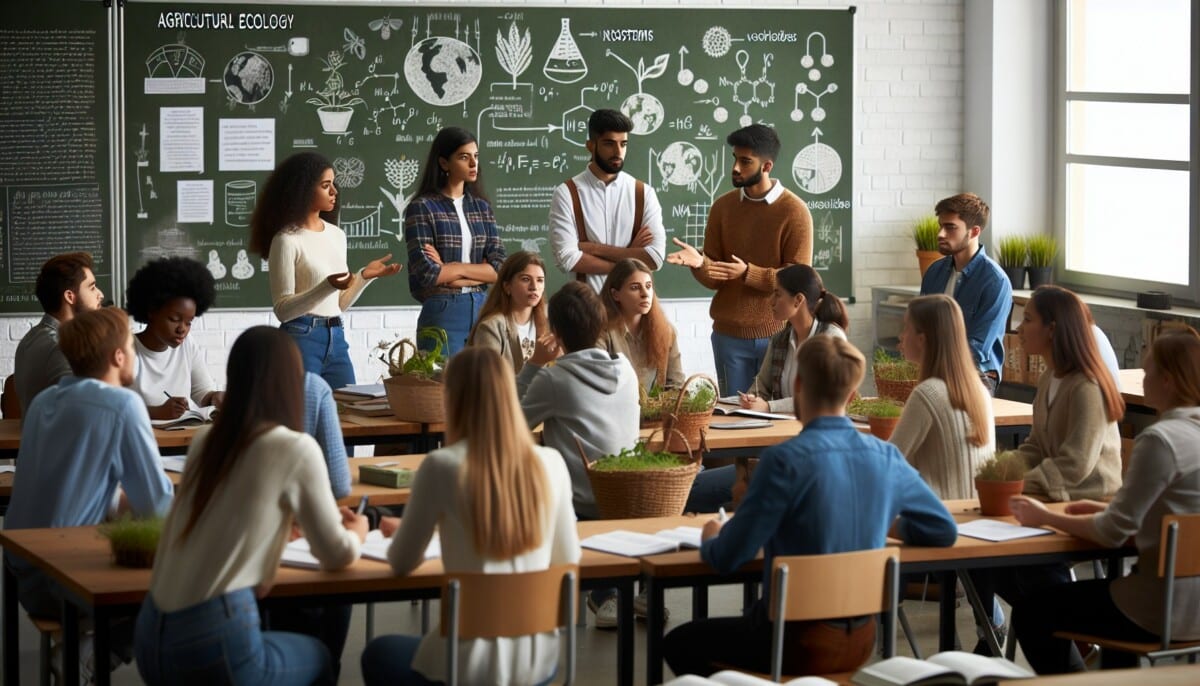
{"points": [[388, 660], [219, 641], [738, 361], [712, 489], [454, 312], [323, 349]]}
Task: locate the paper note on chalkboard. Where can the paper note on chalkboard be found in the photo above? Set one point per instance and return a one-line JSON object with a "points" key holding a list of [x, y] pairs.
{"points": [[195, 204], [181, 145], [246, 145]]}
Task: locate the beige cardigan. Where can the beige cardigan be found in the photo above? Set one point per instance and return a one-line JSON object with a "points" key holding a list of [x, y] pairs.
{"points": [[1073, 451], [933, 437], [495, 333]]}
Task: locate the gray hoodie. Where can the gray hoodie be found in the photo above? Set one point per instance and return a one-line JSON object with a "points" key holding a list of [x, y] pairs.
{"points": [[588, 394]]}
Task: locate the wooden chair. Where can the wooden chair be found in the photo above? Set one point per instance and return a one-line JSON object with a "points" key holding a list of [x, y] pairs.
{"points": [[509, 605], [834, 586], [10, 405], [1179, 557]]}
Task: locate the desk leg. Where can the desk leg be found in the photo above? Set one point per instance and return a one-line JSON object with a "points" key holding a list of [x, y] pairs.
{"points": [[12, 647], [699, 602], [946, 611], [654, 631], [70, 622], [983, 615], [625, 631], [101, 655]]}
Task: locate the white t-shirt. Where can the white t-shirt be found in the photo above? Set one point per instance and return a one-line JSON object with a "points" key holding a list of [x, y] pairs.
{"points": [[468, 239], [180, 372], [527, 335]]}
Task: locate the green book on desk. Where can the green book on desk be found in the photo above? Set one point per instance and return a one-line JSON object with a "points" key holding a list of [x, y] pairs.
{"points": [[391, 477]]}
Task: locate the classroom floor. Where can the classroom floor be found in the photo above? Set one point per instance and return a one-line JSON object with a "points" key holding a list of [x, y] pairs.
{"points": [[597, 649]]}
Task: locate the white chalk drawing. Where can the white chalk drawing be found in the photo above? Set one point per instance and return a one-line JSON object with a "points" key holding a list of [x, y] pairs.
{"points": [[644, 109], [334, 104], [397, 111], [242, 269], [150, 185], [169, 242], [385, 26], [364, 227], [240, 195], [716, 42], [720, 114], [818, 113], [354, 44], [296, 47], [679, 164], [348, 172], [746, 91], [287, 94], [248, 78], [808, 62], [575, 120], [515, 53], [214, 265], [444, 70], [400, 174], [533, 244], [684, 76], [373, 74], [565, 64], [264, 266], [828, 244], [174, 61], [817, 168], [143, 160]]}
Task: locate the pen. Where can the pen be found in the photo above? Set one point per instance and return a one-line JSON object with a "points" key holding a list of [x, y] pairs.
{"points": [[167, 394], [721, 516], [362, 506]]}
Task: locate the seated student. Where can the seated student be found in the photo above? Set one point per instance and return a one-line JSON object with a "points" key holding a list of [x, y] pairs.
{"points": [[500, 505], [638, 328], [65, 287], [80, 440], [514, 315], [796, 505], [946, 428], [800, 299], [166, 295], [321, 422], [247, 477], [1163, 479]]}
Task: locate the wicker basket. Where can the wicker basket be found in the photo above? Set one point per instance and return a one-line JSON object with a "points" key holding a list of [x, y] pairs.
{"points": [[896, 390], [643, 493], [685, 429], [412, 398]]}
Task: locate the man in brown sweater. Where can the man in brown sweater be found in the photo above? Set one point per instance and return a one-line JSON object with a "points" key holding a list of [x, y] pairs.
{"points": [[753, 230]]}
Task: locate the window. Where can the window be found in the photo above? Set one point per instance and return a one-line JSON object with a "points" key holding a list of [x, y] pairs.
{"points": [[1128, 193]]}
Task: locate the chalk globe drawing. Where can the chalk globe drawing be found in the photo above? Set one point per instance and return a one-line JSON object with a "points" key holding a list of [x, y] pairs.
{"points": [[681, 163], [817, 168], [646, 112], [248, 78], [443, 70]]}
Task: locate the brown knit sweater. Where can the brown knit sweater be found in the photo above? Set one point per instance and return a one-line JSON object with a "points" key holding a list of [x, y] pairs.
{"points": [[766, 236]]}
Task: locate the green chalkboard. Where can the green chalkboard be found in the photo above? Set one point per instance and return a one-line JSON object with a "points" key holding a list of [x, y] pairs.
{"points": [[55, 182], [217, 94]]}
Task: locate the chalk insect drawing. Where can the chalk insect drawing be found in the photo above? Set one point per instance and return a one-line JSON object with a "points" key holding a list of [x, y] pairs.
{"points": [[354, 44], [644, 109], [385, 26]]}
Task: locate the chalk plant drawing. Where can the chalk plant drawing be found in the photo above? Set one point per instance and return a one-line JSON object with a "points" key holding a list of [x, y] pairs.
{"points": [[334, 104], [515, 53], [400, 174], [644, 109]]}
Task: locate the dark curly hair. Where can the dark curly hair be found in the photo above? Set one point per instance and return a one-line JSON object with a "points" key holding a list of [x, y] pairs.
{"points": [[286, 198], [160, 281]]}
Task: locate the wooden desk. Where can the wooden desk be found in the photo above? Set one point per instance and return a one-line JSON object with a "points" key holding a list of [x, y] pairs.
{"points": [[79, 560], [380, 495], [1132, 387], [685, 568], [1174, 675]]}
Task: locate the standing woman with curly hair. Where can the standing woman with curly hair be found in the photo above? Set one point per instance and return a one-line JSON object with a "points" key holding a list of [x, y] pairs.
{"points": [[637, 326], [166, 295], [454, 250], [311, 286]]}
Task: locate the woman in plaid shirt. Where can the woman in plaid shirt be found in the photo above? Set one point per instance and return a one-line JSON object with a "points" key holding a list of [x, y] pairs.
{"points": [[454, 251]]}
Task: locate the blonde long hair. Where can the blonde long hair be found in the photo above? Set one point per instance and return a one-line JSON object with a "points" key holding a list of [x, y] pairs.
{"points": [[505, 488], [948, 357]]}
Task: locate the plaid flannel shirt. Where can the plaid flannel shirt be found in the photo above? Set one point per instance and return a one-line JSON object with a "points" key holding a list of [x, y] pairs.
{"points": [[433, 219]]}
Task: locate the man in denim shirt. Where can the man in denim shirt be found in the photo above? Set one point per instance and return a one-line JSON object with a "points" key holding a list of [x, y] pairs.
{"points": [[974, 280], [831, 489]]}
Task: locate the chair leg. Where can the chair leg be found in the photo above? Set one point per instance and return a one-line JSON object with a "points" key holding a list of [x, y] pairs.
{"points": [[908, 633], [1097, 569], [370, 621], [44, 660]]}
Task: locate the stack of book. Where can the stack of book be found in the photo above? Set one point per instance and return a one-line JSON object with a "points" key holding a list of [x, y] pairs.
{"points": [[369, 400]]}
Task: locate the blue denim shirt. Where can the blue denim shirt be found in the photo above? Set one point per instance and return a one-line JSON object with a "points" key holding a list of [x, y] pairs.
{"points": [[321, 422], [985, 296], [831, 489]]}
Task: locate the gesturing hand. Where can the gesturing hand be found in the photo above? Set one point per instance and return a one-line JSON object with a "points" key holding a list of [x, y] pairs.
{"points": [[728, 271], [688, 256], [546, 350], [380, 267], [340, 281]]}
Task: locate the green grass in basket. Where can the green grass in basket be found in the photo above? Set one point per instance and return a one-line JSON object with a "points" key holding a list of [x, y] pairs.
{"points": [[128, 533], [638, 458]]}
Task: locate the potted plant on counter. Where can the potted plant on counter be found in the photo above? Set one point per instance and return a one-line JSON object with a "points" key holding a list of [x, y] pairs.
{"points": [[882, 414], [925, 235], [1042, 251], [1011, 252], [999, 478], [895, 377]]}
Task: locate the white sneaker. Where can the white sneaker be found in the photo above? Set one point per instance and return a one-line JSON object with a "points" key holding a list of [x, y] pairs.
{"points": [[606, 613], [642, 601]]}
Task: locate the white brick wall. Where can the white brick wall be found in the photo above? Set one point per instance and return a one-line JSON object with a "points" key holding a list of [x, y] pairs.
{"points": [[908, 153]]}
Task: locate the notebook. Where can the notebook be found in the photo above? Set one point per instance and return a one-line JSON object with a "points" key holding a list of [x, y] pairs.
{"points": [[994, 530]]}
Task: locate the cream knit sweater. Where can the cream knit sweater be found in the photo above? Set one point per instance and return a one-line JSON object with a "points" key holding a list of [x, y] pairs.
{"points": [[933, 437]]}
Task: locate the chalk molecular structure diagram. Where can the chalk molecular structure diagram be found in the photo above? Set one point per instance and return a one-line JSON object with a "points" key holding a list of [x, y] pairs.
{"points": [[746, 91]]}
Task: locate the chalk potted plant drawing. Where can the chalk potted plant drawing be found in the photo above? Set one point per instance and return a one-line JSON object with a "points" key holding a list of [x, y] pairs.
{"points": [[334, 104], [644, 109]]}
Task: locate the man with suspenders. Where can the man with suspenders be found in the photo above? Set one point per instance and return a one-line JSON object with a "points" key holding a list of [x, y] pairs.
{"points": [[601, 215]]}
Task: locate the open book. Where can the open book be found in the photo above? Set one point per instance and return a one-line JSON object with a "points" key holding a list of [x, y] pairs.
{"points": [[634, 544], [729, 405], [298, 553], [364, 391], [950, 667], [193, 416]]}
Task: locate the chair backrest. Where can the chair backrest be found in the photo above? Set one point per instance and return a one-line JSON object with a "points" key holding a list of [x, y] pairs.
{"points": [[476, 605], [834, 586], [10, 404], [1187, 545]]}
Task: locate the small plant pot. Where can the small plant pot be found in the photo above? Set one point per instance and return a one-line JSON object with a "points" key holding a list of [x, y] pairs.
{"points": [[1016, 277], [994, 495], [335, 119], [1040, 276], [926, 258], [882, 427], [135, 558]]}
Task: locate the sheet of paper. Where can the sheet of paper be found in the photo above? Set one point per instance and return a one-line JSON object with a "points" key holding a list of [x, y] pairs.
{"points": [[629, 543], [181, 142], [685, 536], [995, 530], [173, 464], [194, 204], [376, 547], [246, 144]]}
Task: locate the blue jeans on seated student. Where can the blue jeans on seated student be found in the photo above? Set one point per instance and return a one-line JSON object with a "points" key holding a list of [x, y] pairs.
{"points": [[712, 490], [454, 312], [322, 348], [738, 361], [388, 660], [219, 641]]}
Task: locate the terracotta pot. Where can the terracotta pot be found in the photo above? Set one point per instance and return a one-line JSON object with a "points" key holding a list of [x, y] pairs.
{"points": [[882, 427], [926, 258], [994, 495]]}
